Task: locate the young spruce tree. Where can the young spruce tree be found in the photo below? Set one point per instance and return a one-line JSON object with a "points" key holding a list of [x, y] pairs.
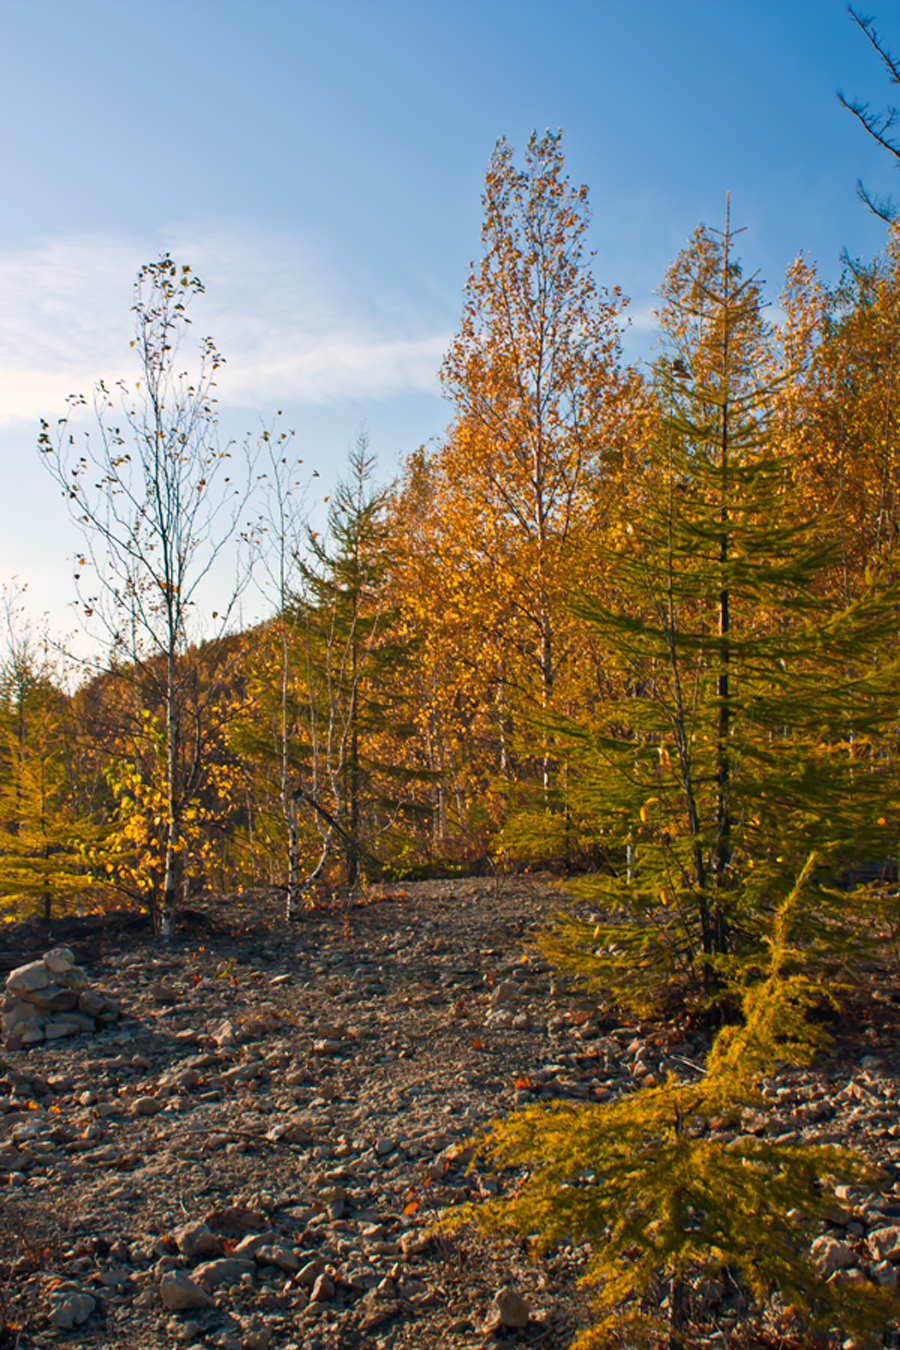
{"points": [[668, 1206]]}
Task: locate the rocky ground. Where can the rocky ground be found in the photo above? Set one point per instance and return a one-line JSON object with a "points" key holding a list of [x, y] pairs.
{"points": [[253, 1157]]}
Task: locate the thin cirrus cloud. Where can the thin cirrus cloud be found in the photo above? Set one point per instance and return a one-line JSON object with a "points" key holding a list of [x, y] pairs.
{"points": [[287, 325]]}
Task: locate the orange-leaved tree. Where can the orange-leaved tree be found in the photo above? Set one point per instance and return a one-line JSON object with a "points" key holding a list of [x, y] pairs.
{"points": [[535, 378]]}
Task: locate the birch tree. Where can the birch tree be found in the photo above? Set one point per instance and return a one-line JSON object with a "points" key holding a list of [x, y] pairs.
{"points": [[155, 497]]}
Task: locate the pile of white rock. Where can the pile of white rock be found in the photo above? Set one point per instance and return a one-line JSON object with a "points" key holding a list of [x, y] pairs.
{"points": [[51, 998]]}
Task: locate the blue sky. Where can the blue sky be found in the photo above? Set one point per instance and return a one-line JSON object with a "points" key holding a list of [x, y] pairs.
{"points": [[320, 166]]}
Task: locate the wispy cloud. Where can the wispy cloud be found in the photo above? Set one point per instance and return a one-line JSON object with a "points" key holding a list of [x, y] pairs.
{"points": [[292, 330]]}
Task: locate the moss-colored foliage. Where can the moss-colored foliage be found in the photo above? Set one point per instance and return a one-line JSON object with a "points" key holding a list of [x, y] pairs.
{"points": [[44, 828], [664, 1204]]}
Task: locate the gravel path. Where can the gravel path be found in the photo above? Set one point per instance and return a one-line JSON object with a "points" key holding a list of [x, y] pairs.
{"points": [[253, 1156]]}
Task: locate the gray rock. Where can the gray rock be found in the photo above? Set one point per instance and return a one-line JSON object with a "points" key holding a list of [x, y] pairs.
{"points": [[75, 1019], [185, 1079], [74, 977], [331, 1031], [884, 1243], [289, 1132], [224, 1034], [22, 1015], [91, 1003], [111, 1011], [243, 1073], [26, 979], [259, 1338], [58, 960], [196, 1239], [280, 1255], [831, 1255], [55, 1030], [508, 1309], [51, 998], [309, 1273], [323, 1290], [363, 1277], [884, 1273], [228, 1270], [71, 1310], [178, 1292], [506, 992], [250, 1245], [161, 991], [377, 1313], [146, 1106]]}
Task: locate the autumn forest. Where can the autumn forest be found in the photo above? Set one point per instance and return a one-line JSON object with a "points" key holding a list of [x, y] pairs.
{"points": [[631, 623]]}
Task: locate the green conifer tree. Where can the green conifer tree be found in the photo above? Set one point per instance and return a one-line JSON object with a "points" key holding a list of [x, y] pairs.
{"points": [[749, 718], [41, 835], [665, 1205]]}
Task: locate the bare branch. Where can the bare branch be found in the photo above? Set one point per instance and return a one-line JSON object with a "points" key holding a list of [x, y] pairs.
{"points": [[879, 125]]}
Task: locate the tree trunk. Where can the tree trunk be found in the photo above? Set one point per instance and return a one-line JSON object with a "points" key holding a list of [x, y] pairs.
{"points": [[172, 822], [723, 761], [295, 890], [676, 1313]]}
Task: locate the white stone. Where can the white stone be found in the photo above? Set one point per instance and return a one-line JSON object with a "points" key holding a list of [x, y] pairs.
{"points": [[224, 1034], [326, 1046]]}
